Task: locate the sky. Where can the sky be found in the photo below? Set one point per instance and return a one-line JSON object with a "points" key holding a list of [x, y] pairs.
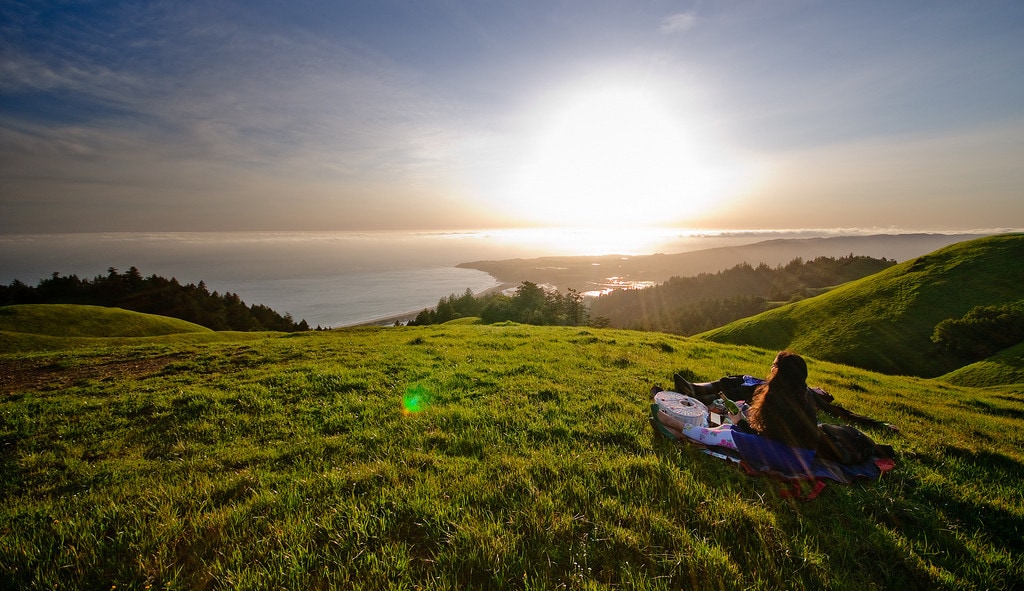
{"points": [[447, 114]]}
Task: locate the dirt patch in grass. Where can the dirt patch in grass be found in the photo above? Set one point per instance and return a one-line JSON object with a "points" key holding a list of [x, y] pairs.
{"points": [[22, 375]]}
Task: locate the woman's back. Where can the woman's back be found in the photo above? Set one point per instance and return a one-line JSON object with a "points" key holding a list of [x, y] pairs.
{"points": [[782, 409]]}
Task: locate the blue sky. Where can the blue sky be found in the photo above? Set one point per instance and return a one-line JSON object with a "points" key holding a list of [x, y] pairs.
{"points": [[317, 115]]}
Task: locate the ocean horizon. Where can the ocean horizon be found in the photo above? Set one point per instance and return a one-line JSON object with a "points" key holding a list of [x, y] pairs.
{"points": [[334, 279]]}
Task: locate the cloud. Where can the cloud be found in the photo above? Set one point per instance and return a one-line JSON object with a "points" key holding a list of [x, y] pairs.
{"points": [[214, 91], [211, 115], [678, 23]]}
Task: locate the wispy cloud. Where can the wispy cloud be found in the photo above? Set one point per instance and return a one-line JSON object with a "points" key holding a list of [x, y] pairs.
{"points": [[236, 95], [679, 22]]}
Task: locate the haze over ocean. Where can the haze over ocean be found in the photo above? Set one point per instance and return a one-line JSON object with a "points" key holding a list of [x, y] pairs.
{"points": [[335, 279]]}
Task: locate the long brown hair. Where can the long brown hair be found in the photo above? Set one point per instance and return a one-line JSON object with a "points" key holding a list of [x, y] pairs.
{"points": [[782, 409]]}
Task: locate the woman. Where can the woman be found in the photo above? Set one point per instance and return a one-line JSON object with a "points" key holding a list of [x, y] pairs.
{"points": [[781, 409]]}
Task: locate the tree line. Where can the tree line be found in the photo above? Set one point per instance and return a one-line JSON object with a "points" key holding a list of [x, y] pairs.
{"points": [[153, 295], [529, 304], [690, 305], [982, 332]]}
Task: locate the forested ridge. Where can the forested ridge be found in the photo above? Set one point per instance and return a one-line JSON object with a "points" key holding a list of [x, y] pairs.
{"points": [[152, 295], [690, 305], [680, 305]]}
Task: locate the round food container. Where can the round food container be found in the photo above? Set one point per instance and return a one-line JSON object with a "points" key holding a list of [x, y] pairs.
{"points": [[684, 409]]}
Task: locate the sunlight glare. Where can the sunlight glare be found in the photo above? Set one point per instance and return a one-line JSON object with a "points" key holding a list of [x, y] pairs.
{"points": [[617, 155], [593, 241]]}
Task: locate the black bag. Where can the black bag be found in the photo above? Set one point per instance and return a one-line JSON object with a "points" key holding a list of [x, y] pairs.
{"points": [[843, 444]]}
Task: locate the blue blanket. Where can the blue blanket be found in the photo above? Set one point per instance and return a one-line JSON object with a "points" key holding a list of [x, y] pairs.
{"points": [[760, 455]]}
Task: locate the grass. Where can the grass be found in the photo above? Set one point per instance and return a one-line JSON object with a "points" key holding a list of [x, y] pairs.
{"points": [[68, 320], [1005, 367], [469, 456], [884, 322], [28, 330]]}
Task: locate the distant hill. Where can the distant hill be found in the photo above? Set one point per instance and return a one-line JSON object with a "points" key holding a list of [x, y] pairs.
{"points": [[70, 320], [689, 305], [584, 273], [884, 322]]}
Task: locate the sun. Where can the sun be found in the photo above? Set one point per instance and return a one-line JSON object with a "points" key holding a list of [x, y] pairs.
{"points": [[617, 155]]}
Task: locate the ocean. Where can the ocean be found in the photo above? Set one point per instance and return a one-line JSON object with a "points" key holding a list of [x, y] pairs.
{"points": [[333, 279]]}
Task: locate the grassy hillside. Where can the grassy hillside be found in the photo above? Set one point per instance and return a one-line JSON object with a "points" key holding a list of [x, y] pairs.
{"points": [[66, 320], [884, 322], [1005, 367], [466, 456], [51, 327]]}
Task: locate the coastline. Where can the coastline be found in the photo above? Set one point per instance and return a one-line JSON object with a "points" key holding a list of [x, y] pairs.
{"points": [[583, 273], [343, 279]]}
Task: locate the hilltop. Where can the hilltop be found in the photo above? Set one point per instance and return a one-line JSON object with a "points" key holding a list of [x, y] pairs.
{"points": [[30, 328], [69, 320], [884, 322]]}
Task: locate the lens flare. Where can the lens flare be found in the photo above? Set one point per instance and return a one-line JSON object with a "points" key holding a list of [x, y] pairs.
{"points": [[415, 400]]}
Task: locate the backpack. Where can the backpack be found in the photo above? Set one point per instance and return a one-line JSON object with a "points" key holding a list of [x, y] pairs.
{"points": [[844, 444]]}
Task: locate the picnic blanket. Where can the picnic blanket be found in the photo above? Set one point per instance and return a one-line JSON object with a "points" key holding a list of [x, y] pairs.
{"points": [[794, 466]]}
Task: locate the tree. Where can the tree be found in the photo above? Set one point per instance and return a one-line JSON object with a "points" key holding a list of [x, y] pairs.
{"points": [[497, 309], [529, 304], [574, 310], [982, 332]]}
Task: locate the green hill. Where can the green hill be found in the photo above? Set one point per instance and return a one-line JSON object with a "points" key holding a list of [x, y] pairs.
{"points": [[470, 457], [1005, 367], [884, 322], [68, 320], [151, 295]]}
